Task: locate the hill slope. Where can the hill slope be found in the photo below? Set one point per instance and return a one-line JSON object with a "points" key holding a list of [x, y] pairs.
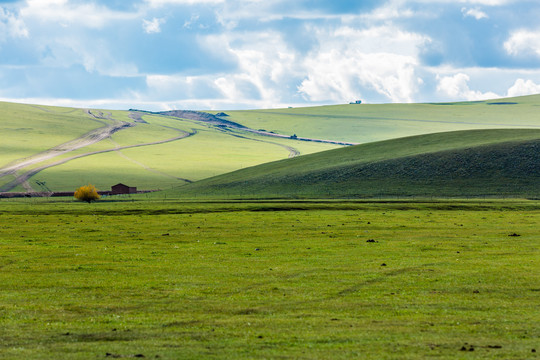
{"points": [[59, 149], [500, 162], [375, 122], [46, 148]]}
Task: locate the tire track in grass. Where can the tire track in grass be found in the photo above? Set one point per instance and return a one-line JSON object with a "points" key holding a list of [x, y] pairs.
{"points": [[98, 118], [20, 179], [219, 123], [147, 168], [228, 130], [90, 138], [293, 152], [87, 139]]}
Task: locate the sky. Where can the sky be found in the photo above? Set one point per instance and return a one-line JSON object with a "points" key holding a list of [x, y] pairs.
{"points": [[247, 54]]}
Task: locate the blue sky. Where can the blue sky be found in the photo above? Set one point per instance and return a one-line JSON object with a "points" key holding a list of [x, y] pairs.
{"points": [[241, 54]]}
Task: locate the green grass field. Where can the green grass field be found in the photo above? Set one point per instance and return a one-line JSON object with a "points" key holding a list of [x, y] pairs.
{"points": [[188, 273], [302, 280], [206, 154]]}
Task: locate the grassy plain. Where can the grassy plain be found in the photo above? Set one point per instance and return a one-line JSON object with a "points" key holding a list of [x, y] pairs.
{"points": [[244, 280]]}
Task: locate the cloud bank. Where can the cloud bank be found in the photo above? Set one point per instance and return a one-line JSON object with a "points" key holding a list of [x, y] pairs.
{"points": [[235, 54]]}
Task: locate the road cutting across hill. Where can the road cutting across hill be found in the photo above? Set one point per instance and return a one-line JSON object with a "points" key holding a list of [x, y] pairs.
{"points": [[21, 171]]}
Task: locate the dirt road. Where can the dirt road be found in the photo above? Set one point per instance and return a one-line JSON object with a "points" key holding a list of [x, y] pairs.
{"points": [[19, 168], [219, 122], [87, 139], [293, 152], [23, 169], [22, 178]]}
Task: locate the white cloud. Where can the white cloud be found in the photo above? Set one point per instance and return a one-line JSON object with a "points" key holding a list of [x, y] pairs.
{"points": [[489, 2], [523, 42], [389, 11], [224, 91], [349, 61], [65, 31], [188, 23], [273, 52], [475, 13], [92, 55], [11, 25], [386, 38], [152, 26], [332, 76], [67, 14], [167, 87], [457, 87], [471, 2], [270, 73], [345, 62], [159, 3], [523, 87], [265, 65]]}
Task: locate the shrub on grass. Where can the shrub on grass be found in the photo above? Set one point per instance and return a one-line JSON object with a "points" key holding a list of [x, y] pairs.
{"points": [[87, 193]]}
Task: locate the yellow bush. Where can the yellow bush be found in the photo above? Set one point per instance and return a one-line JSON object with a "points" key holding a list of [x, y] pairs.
{"points": [[87, 193]]}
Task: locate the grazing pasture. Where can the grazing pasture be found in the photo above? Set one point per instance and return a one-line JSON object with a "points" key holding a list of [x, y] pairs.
{"points": [[244, 280]]}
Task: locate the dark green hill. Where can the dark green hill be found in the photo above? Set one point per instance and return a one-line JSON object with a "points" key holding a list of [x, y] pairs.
{"points": [[454, 164]]}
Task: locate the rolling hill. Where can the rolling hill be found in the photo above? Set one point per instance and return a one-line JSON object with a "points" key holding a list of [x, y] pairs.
{"points": [[46, 148], [375, 122], [501, 162]]}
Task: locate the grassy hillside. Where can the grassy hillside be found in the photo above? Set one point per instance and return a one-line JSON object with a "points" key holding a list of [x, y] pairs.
{"points": [[27, 129], [463, 163], [152, 153], [60, 149], [374, 122]]}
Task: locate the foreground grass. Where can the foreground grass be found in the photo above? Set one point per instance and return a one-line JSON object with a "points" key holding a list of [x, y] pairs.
{"points": [[269, 280]]}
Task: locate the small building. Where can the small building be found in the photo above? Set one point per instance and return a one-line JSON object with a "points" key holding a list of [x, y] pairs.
{"points": [[357, 102], [119, 189]]}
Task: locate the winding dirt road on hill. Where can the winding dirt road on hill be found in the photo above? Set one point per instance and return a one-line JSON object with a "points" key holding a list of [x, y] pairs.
{"points": [[293, 152], [17, 167], [20, 179], [87, 139], [220, 123]]}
